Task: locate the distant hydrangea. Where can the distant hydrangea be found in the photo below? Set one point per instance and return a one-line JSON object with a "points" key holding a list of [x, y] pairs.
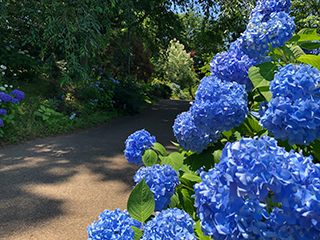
{"points": [[3, 111], [219, 106], [189, 136], [162, 181], [259, 33], [136, 143], [233, 65], [170, 224], [18, 94], [1, 122], [295, 81], [231, 200], [113, 225], [5, 97]]}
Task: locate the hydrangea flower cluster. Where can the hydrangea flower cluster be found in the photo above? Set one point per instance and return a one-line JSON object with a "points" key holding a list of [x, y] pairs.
{"points": [[189, 136], [136, 143], [253, 174], [260, 33], [7, 98], [162, 181], [219, 106], [170, 224], [267, 7], [233, 65], [293, 113], [113, 225]]}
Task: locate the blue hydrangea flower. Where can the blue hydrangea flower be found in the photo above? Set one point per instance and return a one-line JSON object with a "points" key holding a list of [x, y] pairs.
{"points": [[233, 65], [162, 181], [18, 94], [170, 224], [219, 106], [5, 97], [1, 122], [266, 7], [136, 143], [295, 81], [293, 112], [231, 200], [189, 136], [3, 111], [297, 122], [259, 33], [113, 225]]}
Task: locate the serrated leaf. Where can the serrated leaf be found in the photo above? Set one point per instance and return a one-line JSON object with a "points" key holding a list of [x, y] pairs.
{"points": [[311, 31], [160, 148], [137, 233], [141, 203], [310, 45], [149, 157], [313, 60], [253, 124], [174, 159], [297, 51], [191, 177], [260, 76]]}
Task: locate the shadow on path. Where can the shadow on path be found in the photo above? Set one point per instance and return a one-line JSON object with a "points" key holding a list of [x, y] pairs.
{"points": [[72, 178]]}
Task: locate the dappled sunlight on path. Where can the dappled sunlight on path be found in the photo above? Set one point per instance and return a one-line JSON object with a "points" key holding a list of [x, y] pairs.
{"points": [[54, 188]]}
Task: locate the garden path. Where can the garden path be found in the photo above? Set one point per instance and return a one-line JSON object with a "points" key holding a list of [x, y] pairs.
{"points": [[53, 188]]}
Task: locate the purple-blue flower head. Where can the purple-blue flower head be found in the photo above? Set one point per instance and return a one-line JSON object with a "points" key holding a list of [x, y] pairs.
{"points": [[113, 225], [232, 198], [189, 136], [5, 97], [162, 181], [298, 121], [136, 143], [18, 94], [1, 122], [266, 7], [233, 65], [3, 111], [219, 106], [259, 34], [170, 224], [295, 81]]}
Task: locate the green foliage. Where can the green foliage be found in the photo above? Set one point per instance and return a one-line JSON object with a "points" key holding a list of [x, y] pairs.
{"points": [[47, 113], [141, 202]]}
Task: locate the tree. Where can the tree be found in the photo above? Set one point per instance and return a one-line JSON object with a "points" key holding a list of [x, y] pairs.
{"points": [[176, 66]]}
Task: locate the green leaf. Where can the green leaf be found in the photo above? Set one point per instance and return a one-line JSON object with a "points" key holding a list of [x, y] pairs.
{"points": [[174, 159], [159, 148], [260, 76], [253, 123], [297, 51], [313, 60], [174, 201], [304, 38], [191, 177], [149, 157], [141, 202], [199, 233], [137, 233], [310, 45]]}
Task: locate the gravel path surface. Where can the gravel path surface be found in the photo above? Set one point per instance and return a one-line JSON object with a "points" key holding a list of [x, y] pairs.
{"points": [[53, 188]]}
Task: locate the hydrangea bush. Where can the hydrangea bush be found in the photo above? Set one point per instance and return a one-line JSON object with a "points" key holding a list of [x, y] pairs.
{"points": [[248, 150], [9, 100]]}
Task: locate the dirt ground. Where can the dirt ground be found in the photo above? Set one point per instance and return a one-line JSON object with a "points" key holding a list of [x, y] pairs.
{"points": [[53, 188]]}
